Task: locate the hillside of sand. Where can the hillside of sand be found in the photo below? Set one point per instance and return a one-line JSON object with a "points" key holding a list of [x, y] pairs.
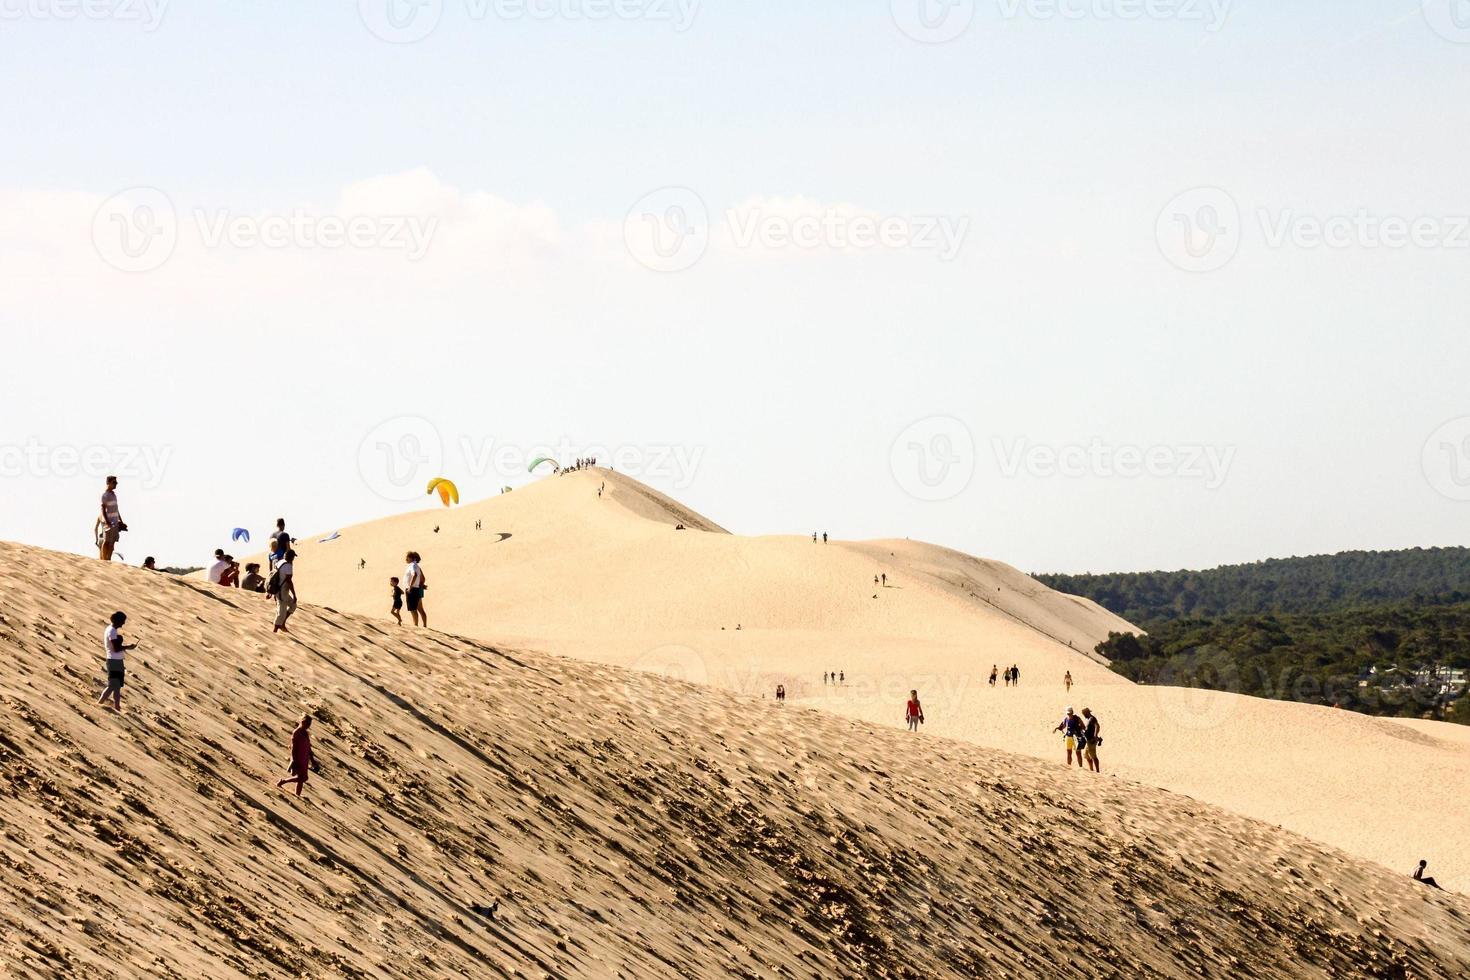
{"points": [[617, 823], [556, 567]]}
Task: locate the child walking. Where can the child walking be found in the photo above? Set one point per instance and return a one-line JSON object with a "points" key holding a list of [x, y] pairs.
{"points": [[112, 643], [397, 600]]}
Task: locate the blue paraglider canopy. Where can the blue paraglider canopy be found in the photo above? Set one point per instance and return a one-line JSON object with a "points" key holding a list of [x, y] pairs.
{"points": [[240, 534]]}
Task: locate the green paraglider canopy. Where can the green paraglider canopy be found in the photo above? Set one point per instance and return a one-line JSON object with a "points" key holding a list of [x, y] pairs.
{"points": [[542, 459]]}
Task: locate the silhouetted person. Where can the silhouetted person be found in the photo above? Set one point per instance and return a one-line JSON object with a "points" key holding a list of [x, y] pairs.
{"points": [[1419, 875]]}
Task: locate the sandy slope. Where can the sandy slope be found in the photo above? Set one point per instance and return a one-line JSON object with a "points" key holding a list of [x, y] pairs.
{"points": [[608, 579], [628, 825]]}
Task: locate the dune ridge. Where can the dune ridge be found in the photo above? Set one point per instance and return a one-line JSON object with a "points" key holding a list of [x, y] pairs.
{"points": [[626, 825], [607, 579]]}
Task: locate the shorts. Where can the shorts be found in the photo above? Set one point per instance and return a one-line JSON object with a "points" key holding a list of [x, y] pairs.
{"points": [[110, 534], [116, 675], [415, 599], [1071, 742], [1090, 750]]}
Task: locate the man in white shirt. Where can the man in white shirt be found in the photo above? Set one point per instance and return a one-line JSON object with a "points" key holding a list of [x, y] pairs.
{"points": [[112, 643], [413, 585], [218, 569]]}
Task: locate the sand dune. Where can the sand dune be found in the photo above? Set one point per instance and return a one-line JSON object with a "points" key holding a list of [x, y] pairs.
{"points": [[608, 579], [627, 825]]}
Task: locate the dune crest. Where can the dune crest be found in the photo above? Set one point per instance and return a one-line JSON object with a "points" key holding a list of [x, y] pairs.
{"points": [[608, 579]]}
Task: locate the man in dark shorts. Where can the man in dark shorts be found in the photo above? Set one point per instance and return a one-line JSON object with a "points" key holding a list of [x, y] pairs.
{"points": [[112, 643], [414, 584]]}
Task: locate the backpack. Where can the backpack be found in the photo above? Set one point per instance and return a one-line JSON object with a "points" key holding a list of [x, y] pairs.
{"points": [[274, 588]]}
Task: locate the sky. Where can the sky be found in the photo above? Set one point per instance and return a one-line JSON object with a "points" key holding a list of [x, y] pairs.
{"points": [[1081, 285]]}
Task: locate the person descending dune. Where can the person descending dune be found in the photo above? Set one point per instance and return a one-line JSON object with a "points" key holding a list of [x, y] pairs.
{"points": [[115, 648], [300, 767], [283, 588]]}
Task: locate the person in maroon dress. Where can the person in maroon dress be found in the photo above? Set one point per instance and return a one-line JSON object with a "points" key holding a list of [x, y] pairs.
{"points": [[300, 756]]}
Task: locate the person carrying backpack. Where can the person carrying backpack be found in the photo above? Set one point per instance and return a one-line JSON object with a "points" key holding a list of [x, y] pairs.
{"points": [[1092, 738], [283, 588], [1073, 733]]}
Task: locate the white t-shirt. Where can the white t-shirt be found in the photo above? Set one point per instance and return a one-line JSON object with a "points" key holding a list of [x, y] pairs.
{"points": [[217, 571], [108, 639], [412, 576]]}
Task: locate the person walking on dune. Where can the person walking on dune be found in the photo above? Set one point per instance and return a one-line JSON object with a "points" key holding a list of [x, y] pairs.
{"points": [[994, 673], [914, 712], [283, 588], [115, 647], [1067, 681], [110, 523], [415, 585], [1092, 738], [1072, 733], [397, 600], [1015, 675], [300, 767]]}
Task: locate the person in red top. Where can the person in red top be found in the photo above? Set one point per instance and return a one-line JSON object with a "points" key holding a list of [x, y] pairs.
{"points": [[300, 756], [915, 714]]}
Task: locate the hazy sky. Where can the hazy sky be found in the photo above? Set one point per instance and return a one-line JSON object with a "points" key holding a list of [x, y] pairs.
{"points": [[1076, 284]]}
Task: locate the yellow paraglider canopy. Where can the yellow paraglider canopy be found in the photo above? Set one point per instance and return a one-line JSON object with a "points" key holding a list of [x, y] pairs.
{"points": [[448, 492]]}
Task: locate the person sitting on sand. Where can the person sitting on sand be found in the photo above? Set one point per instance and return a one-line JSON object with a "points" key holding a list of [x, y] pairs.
{"points": [[1073, 733], [1419, 876], [300, 767], [230, 577], [285, 590], [218, 569], [1092, 736], [253, 580], [149, 564], [397, 600], [914, 712], [415, 585]]}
